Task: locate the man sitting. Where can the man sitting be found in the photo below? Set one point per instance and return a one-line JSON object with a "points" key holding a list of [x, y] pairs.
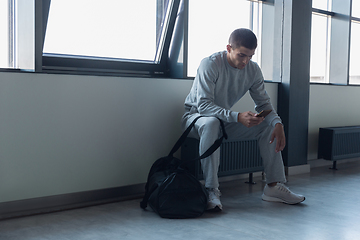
{"points": [[223, 79]]}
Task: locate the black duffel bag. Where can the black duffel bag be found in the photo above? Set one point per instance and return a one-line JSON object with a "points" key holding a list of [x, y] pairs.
{"points": [[171, 190]]}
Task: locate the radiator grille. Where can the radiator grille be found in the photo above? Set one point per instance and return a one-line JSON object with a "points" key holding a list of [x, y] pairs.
{"points": [[239, 157], [236, 157], [346, 143], [339, 143]]}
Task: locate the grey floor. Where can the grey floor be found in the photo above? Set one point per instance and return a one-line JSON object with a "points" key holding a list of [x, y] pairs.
{"points": [[331, 211]]}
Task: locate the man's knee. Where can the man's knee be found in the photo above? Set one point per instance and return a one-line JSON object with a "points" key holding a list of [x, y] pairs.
{"points": [[209, 125]]}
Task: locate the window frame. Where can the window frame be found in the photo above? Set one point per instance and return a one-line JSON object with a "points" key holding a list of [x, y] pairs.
{"points": [[263, 56], [169, 66], [61, 63], [353, 20], [328, 15], [20, 36], [341, 11]]}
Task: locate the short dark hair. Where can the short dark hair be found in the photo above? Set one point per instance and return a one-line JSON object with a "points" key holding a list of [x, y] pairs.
{"points": [[243, 37]]}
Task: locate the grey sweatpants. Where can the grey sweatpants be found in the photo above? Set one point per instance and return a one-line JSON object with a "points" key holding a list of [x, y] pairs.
{"points": [[208, 129]]}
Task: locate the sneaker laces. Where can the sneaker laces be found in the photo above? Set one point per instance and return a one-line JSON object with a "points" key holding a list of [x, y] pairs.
{"points": [[283, 188]]}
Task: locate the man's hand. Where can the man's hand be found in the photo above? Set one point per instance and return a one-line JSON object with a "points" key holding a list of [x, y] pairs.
{"points": [[279, 134], [249, 119]]}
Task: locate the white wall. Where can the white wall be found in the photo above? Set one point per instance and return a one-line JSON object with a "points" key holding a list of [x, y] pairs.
{"points": [[331, 106], [64, 133]]}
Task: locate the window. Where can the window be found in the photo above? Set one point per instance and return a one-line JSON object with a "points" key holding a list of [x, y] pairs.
{"points": [[322, 4], [95, 37], [320, 41], [355, 8], [4, 36], [17, 34], [354, 70], [107, 28], [87, 36], [319, 49], [115, 35], [335, 48], [209, 34]]}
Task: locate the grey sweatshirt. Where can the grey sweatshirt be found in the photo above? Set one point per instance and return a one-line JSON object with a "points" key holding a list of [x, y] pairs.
{"points": [[218, 86]]}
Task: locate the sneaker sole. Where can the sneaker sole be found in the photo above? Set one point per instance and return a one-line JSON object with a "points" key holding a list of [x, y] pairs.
{"points": [[274, 199], [215, 209]]}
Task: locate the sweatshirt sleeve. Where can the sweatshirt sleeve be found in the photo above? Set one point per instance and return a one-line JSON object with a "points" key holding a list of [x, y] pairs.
{"points": [[207, 76], [262, 99]]}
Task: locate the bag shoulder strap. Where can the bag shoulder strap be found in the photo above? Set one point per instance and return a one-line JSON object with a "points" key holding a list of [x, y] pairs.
{"points": [[212, 148], [183, 137]]}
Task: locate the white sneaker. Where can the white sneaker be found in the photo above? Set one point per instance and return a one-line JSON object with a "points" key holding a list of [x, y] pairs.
{"points": [[281, 193], [214, 203]]}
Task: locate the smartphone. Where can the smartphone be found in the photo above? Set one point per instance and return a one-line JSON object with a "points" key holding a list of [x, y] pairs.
{"points": [[263, 113]]}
